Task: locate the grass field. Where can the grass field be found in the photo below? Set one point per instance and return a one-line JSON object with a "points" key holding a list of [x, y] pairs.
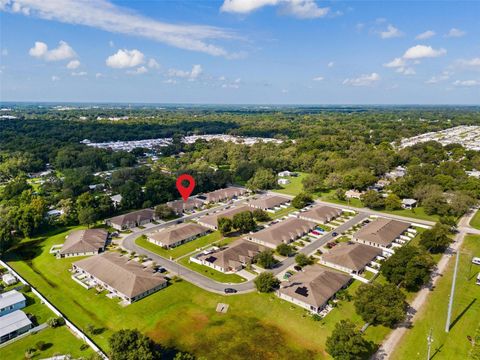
{"points": [[475, 222], [465, 315], [211, 273], [257, 326], [295, 187]]}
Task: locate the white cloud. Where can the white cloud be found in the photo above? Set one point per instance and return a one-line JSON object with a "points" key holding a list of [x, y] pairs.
{"points": [[391, 32], [170, 81], [62, 52], [395, 63], [406, 70], [153, 64], [302, 9], [99, 75], [125, 59], [470, 63], [318, 78], [191, 75], [138, 71], [425, 35], [73, 64], [55, 78], [330, 64], [362, 80], [104, 15], [79, 73], [455, 33], [111, 44], [222, 78], [423, 51], [466, 83], [439, 78]]}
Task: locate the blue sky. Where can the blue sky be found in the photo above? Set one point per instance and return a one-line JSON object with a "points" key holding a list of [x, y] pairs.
{"points": [[240, 51]]}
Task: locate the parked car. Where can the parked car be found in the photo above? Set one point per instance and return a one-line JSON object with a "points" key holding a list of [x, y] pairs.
{"points": [[476, 260], [297, 268], [161, 270], [230, 291], [334, 234]]}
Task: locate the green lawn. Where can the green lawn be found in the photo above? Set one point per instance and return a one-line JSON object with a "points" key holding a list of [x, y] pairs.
{"points": [[282, 212], [181, 250], [475, 222], [295, 187], [211, 273], [57, 341], [465, 316], [257, 326]]}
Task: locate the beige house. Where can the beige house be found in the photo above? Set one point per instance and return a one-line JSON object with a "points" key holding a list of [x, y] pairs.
{"points": [[177, 235], [350, 257], [321, 214], [228, 193], [132, 219], [124, 278], [83, 243], [381, 233], [270, 203], [211, 221], [285, 232], [313, 287], [233, 258], [180, 206]]}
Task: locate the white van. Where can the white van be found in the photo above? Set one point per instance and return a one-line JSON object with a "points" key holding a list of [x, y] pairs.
{"points": [[478, 279], [476, 260]]}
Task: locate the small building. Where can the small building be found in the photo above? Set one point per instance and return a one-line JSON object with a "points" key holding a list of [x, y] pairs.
{"points": [[177, 235], [228, 193], [123, 277], [270, 203], [211, 221], [283, 181], [350, 257], [381, 233], [13, 325], [132, 219], [286, 173], [54, 213], [354, 194], [321, 214], [313, 287], [233, 258], [10, 301], [116, 200], [283, 232], [8, 279], [83, 243], [396, 173], [180, 206], [409, 203]]}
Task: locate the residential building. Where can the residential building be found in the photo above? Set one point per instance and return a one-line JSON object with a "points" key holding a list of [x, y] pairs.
{"points": [[177, 235], [116, 200], [350, 257], [180, 206], [270, 203], [10, 301], [285, 232], [321, 214], [228, 193], [354, 194], [381, 233], [211, 221], [233, 258], [8, 279], [409, 203], [83, 243], [283, 181], [124, 278], [13, 325], [396, 173], [313, 287], [286, 173], [132, 219]]}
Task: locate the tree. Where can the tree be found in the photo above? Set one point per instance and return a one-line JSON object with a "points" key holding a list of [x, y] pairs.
{"points": [[6, 237], [372, 199], [87, 216], [244, 221], [132, 196], [301, 200], [260, 215], [164, 212], [285, 250], [303, 260], [263, 179], [265, 259], [409, 266], [340, 194], [225, 225], [436, 239], [132, 345], [380, 304], [313, 183], [348, 343], [393, 202], [266, 282]]}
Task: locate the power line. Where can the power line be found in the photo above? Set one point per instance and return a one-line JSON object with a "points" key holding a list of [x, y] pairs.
{"points": [[452, 293], [429, 343]]}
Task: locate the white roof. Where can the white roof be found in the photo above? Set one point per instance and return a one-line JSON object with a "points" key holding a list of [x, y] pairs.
{"points": [[409, 201], [8, 277], [13, 321], [11, 298]]}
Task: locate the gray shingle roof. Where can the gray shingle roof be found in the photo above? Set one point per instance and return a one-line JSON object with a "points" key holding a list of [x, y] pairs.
{"points": [[382, 231]]}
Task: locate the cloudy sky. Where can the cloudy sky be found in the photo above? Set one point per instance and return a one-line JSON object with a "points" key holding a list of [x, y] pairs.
{"points": [[240, 51]]}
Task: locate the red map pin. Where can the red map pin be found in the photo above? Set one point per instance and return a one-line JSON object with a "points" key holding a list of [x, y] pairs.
{"points": [[185, 191]]}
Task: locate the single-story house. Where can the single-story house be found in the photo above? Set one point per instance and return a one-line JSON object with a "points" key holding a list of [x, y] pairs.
{"points": [[396, 173], [354, 194], [83, 243], [285, 231], [132, 219], [350, 257], [313, 287], [13, 325], [381, 233], [270, 203], [123, 277], [180, 206], [228, 193], [233, 258], [321, 214], [116, 200], [409, 203], [8, 279], [10, 301], [286, 173], [177, 234], [211, 221], [283, 181]]}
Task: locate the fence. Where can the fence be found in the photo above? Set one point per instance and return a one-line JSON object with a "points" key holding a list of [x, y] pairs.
{"points": [[68, 323]]}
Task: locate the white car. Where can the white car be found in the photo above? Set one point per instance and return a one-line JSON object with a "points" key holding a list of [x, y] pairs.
{"points": [[478, 279], [476, 260]]}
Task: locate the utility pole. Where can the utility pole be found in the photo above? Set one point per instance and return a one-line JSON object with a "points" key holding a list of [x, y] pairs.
{"points": [[452, 293], [429, 343]]}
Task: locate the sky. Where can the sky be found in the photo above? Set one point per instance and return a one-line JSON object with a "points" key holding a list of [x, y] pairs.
{"points": [[240, 51]]}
